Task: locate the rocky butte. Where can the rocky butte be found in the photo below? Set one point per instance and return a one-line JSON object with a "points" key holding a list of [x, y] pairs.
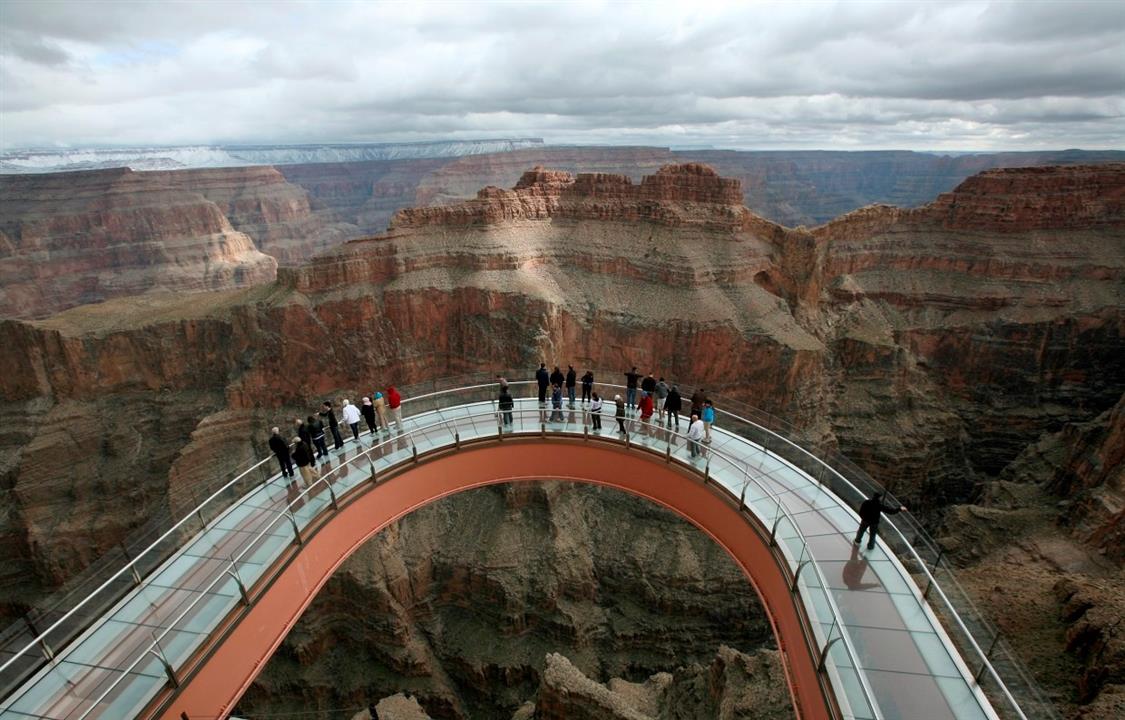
{"points": [[966, 353]]}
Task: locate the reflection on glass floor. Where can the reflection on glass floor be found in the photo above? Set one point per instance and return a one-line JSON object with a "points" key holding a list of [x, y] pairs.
{"points": [[893, 659]]}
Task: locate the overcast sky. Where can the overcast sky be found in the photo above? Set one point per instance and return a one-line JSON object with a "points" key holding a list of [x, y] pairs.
{"points": [[913, 75]]}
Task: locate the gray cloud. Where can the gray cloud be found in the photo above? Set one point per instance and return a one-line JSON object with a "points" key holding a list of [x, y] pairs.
{"points": [[850, 75]]}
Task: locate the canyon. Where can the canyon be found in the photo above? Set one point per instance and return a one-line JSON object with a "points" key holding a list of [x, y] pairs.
{"points": [[966, 353], [73, 238]]}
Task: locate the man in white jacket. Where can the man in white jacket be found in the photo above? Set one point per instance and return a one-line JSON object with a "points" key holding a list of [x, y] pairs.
{"points": [[352, 418], [695, 436]]}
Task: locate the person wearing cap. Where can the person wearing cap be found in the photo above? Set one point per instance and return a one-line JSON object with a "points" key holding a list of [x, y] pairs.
{"points": [[870, 512], [281, 450]]}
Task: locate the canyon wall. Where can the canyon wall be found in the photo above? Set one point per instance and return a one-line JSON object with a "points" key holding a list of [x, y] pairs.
{"points": [[63, 249], [85, 237], [76, 238], [934, 346]]}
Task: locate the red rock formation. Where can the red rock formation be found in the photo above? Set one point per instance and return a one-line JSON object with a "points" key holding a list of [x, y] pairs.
{"points": [[676, 195], [77, 238], [932, 350], [261, 203]]}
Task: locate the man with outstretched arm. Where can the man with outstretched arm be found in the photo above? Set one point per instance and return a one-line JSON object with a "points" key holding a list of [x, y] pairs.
{"points": [[870, 512]]}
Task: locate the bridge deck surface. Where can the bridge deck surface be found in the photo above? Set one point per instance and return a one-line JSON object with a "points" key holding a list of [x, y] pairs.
{"points": [[903, 654]]}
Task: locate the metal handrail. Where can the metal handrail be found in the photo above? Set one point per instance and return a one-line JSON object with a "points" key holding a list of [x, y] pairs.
{"points": [[154, 647], [922, 564], [132, 563], [415, 399], [986, 662]]}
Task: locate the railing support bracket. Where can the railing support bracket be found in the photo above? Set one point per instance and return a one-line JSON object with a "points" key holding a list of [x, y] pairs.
{"points": [[296, 528], [233, 572], [159, 654]]}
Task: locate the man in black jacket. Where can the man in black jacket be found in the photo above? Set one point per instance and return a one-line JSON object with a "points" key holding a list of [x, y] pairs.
{"points": [[281, 450], [672, 405], [544, 379], [571, 383], [506, 404], [870, 512], [326, 414], [631, 387], [306, 463], [316, 431]]}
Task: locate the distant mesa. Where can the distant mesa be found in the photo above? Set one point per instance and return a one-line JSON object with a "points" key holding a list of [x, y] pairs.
{"points": [[677, 194]]}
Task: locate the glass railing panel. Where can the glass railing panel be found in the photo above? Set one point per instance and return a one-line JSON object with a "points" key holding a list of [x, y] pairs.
{"points": [[845, 678], [131, 695], [310, 504], [53, 682], [905, 696], [159, 606]]}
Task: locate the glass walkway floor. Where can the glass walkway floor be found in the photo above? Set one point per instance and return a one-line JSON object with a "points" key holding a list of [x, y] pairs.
{"points": [[884, 651]]}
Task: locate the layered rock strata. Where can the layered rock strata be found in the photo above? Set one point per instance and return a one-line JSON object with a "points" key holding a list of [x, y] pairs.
{"points": [[933, 346], [85, 237], [461, 604]]}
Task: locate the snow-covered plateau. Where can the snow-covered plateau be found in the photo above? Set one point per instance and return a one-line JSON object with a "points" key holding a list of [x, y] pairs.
{"points": [[204, 156]]}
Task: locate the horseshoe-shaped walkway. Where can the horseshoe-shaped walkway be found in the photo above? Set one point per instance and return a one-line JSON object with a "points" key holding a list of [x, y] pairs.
{"points": [[858, 638]]}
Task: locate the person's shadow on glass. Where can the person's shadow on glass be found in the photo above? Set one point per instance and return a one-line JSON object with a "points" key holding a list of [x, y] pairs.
{"points": [[854, 570]]}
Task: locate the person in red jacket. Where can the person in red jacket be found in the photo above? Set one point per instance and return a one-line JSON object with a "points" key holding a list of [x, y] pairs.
{"points": [[647, 407], [394, 402]]}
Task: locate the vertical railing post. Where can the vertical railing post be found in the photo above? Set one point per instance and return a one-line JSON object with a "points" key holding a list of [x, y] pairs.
{"points": [[296, 528], [986, 658], [233, 572], [159, 653]]}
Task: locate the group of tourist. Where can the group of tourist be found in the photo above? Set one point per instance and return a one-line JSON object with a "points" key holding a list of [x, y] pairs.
{"points": [[645, 396], [310, 446]]}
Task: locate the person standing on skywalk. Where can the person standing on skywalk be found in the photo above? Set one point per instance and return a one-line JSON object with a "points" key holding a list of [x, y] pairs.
{"points": [[352, 418], [281, 450], [870, 512]]}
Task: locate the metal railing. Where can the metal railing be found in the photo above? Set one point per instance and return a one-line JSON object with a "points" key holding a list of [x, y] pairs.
{"points": [[26, 644], [908, 539], [485, 423]]}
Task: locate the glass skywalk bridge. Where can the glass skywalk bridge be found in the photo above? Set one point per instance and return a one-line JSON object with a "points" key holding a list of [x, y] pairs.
{"points": [[879, 647]]}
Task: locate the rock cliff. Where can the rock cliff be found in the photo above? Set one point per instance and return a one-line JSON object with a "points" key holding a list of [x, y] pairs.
{"points": [[934, 346], [70, 239], [461, 604], [87, 237]]}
